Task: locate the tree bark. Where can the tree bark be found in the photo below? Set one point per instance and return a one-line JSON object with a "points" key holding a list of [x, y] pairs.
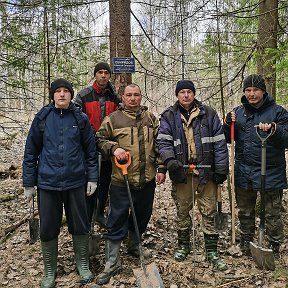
{"points": [[120, 38], [267, 43]]}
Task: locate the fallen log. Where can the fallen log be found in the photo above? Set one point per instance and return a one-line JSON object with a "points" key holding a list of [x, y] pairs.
{"points": [[14, 226], [9, 197]]}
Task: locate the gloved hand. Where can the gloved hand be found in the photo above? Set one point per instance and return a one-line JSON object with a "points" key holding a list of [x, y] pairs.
{"points": [[230, 117], [29, 192], [91, 188], [219, 178], [176, 171]]}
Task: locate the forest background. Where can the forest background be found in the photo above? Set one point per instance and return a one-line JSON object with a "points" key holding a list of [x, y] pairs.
{"points": [[214, 43]]}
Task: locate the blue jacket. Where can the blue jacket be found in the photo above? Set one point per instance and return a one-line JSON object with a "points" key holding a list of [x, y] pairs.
{"points": [[211, 147], [61, 155], [248, 145]]}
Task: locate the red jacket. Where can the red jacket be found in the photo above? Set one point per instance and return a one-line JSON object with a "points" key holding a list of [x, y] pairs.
{"points": [[97, 103]]}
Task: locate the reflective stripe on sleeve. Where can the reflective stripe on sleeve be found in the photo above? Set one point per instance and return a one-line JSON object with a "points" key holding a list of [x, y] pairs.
{"points": [[212, 139]]}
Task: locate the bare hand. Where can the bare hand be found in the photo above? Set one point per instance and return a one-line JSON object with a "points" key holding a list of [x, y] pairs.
{"points": [[233, 116], [266, 126], [160, 178], [121, 155]]}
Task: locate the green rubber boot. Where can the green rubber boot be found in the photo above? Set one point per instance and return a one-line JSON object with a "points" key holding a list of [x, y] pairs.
{"points": [[49, 252], [212, 255], [184, 247], [80, 245], [112, 258]]}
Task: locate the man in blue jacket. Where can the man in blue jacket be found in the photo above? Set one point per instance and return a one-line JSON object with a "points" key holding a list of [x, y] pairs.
{"points": [[60, 160], [259, 109], [191, 133]]}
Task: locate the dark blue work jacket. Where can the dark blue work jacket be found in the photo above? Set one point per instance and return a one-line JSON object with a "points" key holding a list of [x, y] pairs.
{"points": [[62, 154], [210, 143]]}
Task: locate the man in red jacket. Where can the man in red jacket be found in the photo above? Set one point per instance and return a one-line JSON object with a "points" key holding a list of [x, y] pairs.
{"points": [[98, 101]]}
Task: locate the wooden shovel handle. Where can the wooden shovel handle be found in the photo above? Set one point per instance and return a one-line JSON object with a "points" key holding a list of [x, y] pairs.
{"points": [[233, 238], [219, 192]]}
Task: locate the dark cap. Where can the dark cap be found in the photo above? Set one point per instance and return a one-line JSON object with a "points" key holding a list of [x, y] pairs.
{"points": [[254, 81], [184, 84], [60, 83], [102, 66]]}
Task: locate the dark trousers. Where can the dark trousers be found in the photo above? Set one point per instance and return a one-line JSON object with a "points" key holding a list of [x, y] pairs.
{"points": [[246, 201], [120, 219], [105, 180], [51, 212], [102, 188]]}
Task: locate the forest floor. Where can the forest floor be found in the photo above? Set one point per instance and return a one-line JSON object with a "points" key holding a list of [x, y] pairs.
{"points": [[21, 262]]}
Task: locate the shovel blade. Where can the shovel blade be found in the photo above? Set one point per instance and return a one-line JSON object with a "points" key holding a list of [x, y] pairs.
{"points": [[221, 221], [34, 230], [263, 257], [148, 278], [94, 244]]}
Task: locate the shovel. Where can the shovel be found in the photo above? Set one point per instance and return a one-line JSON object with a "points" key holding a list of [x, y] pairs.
{"points": [[263, 257], [146, 276], [33, 224], [220, 218], [94, 239]]}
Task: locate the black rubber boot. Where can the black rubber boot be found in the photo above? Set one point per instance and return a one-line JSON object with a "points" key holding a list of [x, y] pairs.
{"points": [[49, 252], [245, 240], [212, 254], [80, 244], [184, 247], [275, 246], [100, 214], [112, 258]]}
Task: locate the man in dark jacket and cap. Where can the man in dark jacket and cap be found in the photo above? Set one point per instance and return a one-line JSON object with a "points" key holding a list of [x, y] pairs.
{"points": [[60, 159], [259, 111], [98, 101], [191, 133]]}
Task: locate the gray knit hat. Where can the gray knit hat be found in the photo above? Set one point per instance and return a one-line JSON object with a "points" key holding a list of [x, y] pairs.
{"points": [[254, 81]]}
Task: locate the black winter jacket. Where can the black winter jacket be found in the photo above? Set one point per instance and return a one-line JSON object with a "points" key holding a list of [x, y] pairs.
{"points": [[248, 144], [61, 155]]}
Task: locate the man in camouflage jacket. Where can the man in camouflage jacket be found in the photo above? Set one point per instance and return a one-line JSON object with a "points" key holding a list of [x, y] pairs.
{"points": [[131, 129]]}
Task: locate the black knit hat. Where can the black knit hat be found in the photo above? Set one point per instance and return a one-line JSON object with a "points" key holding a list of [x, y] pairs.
{"points": [[184, 84], [254, 81], [60, 83], [102, 66]]}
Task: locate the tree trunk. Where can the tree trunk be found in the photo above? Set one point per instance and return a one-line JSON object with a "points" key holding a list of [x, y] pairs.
{"points": [[267, 43], [120, 38]]}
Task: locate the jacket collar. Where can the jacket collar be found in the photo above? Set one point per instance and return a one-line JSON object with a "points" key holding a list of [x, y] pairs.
{"points": [[267, 101]]}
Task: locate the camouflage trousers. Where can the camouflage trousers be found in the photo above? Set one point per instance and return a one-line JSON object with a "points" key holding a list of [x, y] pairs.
{"points": [[204, 196], [246, 202]]}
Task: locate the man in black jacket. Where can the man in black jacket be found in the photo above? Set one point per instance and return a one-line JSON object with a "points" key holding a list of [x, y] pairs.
{"points": [[259, 111]]}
